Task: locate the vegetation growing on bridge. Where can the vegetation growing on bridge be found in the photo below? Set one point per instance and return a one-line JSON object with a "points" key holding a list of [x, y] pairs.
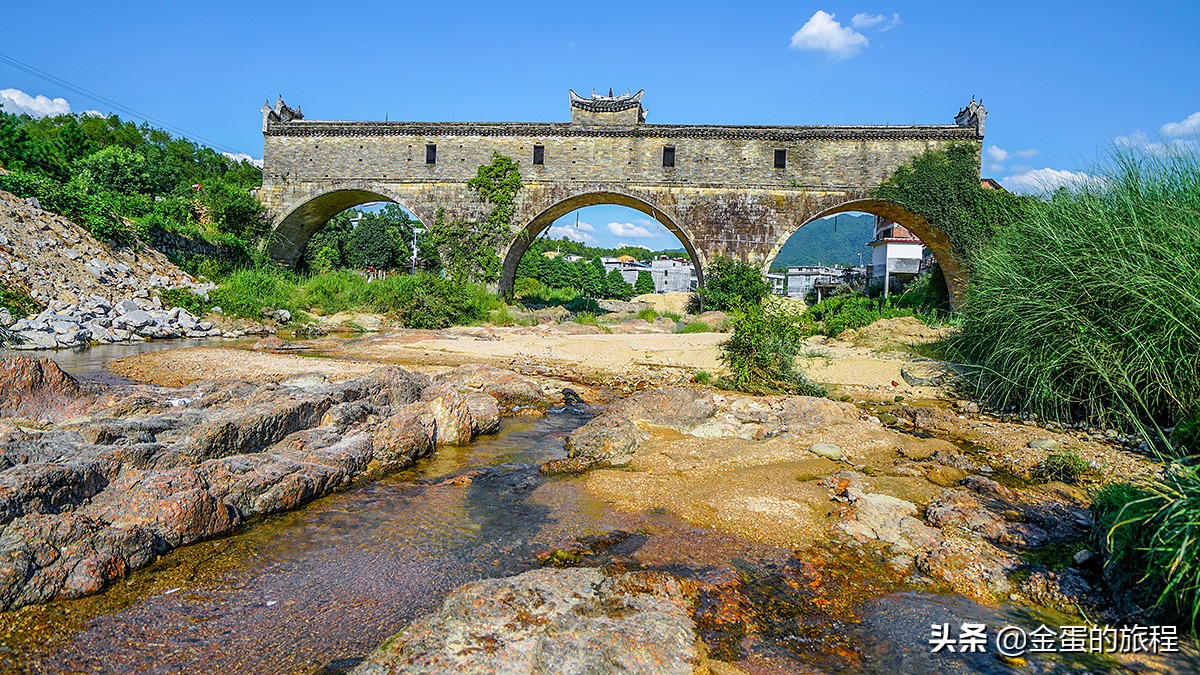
{"points": [[943, 187], [468, 249]]}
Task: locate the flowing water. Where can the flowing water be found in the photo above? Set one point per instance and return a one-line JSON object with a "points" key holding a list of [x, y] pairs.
{"points": [[314, 590]]}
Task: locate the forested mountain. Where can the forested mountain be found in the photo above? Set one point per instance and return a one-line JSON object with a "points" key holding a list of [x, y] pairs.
{"points": [[836, 240]]}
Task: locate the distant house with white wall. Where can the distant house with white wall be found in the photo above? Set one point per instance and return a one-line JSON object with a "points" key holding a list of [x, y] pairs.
{"points": [[803, 279], [673, 275], [627, 266], [778, 283], [896, 255]]}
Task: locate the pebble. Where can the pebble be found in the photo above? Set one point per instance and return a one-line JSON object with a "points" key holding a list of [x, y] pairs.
{"points": [[827, 450]]}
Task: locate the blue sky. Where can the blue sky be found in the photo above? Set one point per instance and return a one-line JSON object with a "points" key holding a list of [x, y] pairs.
{"points": [[1061, 80]]}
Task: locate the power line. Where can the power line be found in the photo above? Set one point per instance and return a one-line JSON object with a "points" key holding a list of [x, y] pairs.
{"points": [[129, 112]]}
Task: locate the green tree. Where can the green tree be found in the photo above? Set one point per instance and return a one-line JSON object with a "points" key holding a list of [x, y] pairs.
{"points": [[729, 284], [644, 283], [616, 287], [115, 169], [468, 250]]}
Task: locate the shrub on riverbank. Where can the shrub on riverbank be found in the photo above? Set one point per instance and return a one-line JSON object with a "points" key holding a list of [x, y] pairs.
{"points": [[760, 355], [1087, 305], [728, 284], [422, 300]]}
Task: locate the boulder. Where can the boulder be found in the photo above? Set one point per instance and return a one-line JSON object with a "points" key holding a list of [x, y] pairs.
{"points": [[38, 388], [562, 621]]}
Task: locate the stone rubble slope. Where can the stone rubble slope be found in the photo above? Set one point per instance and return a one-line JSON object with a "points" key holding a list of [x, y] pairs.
{"points": [[86, 285], [107, 479]]}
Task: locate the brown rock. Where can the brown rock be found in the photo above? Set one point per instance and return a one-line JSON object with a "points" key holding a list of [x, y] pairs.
{"points": [[404, 437], [38, 388]]}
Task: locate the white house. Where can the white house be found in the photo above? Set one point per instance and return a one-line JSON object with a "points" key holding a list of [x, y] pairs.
{"points": [[673, 274], [896, 255]]}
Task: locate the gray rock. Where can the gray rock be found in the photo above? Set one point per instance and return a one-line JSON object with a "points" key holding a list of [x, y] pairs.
{"points": [[62, 327], [827, 450], [568, 622], [1043, 444], [138, 318], [128, 305]]}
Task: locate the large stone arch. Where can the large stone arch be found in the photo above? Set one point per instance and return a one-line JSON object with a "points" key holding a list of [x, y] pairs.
{"points": [[953, 268], [512, 254], [293, 228]]}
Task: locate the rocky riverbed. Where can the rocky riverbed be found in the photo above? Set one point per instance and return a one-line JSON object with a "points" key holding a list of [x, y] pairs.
{"points": [[731, 533], [98, 481]]}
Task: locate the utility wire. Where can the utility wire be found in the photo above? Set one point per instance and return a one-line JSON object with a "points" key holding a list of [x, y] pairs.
{"points": [[130, 112]]}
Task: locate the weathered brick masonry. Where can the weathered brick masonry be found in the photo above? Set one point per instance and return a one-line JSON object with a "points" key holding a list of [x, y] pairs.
{"points": [[724, 194]]}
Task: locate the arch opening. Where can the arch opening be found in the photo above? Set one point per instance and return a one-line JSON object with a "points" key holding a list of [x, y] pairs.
{"points": [[665, 267], [296, 226], [896, 240]]}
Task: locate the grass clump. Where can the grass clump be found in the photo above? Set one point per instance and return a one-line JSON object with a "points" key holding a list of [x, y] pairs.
{"points": [[702, 377], [1087, 306], [694, 327], [246, 293], [760, 355], [1149, 536], [17, 302], [1065, 467], [184, 298], [648, 314]]}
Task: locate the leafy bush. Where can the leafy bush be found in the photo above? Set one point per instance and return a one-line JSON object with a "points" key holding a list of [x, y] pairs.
{"points": [[1148, 533], [1087, 306], [728, 284], [185, 298], [852, 311], [1066, 467], [760, 355], [428, 301], [74, 200]]}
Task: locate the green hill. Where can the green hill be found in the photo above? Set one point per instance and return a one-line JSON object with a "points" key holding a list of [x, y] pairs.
{"points": [[836, 240]]}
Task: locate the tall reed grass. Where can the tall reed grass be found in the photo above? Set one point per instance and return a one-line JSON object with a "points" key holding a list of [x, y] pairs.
{"points": [[1087, 307]]}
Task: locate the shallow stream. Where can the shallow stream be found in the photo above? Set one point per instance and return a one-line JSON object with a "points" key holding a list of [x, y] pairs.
{"points": [[315, 590]]}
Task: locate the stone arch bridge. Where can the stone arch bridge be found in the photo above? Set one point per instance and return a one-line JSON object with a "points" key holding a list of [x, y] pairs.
{"points": [[737, 191]]}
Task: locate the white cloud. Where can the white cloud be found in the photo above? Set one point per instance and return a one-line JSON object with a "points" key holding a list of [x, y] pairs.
{"points": [[1035, 181], [998, 154], [243, 157], [624, 245], [823, 33], [630, 230], [1188, 127], [1141, 141], [570, 232], [17, 102], [882, 22]]}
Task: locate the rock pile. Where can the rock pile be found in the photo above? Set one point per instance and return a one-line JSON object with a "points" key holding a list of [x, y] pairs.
{"points": [[109, 478], [99, 321]]}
